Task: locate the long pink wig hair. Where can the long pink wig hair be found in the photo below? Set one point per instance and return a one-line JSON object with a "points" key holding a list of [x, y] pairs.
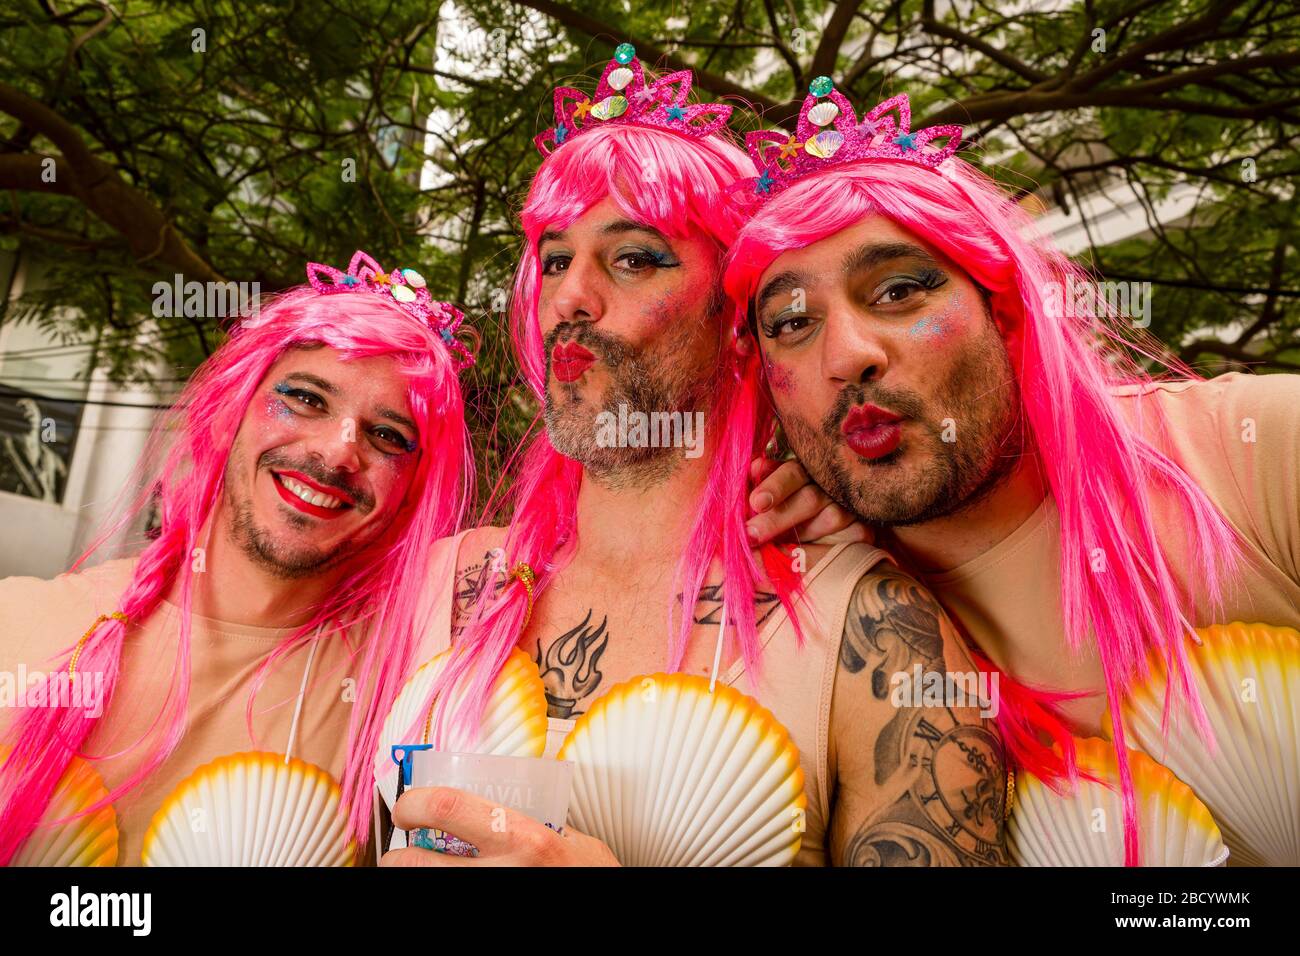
{"points": [[375, 608], [679, 186], [1100, 469]]}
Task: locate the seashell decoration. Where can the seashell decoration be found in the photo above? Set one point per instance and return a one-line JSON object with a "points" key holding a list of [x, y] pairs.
{"points": [[610, 107], [823, 114], [825, 144]]}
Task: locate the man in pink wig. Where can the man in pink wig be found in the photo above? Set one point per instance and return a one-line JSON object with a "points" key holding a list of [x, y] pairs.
{"points": [[626, 552], [938, 374], [299, 482]]}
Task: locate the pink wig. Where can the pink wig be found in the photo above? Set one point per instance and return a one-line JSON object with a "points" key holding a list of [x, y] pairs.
{"points": [[183, 470], [680, 187], [1099, 467]]}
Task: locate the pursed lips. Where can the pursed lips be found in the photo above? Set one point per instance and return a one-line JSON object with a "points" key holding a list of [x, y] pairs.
{"points": [[871, 431], [569, 361]]}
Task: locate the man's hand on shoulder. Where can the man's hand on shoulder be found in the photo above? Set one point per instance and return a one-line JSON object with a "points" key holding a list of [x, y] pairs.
{"points": [[920, 780]]}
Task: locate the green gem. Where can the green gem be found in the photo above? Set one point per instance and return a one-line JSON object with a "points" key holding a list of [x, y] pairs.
{"points": [[624, 53], [821, 86]]}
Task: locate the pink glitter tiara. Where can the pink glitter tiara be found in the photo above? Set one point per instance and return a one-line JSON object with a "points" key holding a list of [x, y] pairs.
{"points": [[622, 98], [406, 287], [829, 134]]}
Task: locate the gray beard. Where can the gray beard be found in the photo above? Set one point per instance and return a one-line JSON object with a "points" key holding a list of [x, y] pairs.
{"points": [[640, 382]]}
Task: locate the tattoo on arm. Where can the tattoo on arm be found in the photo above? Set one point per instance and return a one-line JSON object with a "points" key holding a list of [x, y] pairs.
{"points": [[952, 810], [469, 584]]}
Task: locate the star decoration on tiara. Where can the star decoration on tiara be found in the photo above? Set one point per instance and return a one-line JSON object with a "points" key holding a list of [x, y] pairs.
{"points": [[624, 98], [829, 134], [405, 287]]}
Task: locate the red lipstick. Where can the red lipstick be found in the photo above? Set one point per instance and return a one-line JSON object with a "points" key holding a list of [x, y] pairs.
{"points": [[872, 432], [306, 507], [569, 360]]}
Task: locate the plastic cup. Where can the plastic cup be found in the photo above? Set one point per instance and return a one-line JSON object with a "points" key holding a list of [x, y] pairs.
{"points": [[537, 787]]}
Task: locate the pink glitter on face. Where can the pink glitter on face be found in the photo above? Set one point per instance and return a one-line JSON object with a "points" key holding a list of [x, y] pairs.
{"points": [[778, 376]]}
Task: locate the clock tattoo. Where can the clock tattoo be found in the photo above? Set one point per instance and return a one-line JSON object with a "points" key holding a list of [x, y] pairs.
{"points": [[951, 812]]}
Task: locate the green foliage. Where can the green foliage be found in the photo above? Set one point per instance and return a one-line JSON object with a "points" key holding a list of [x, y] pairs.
{"points": [[238, 123]]}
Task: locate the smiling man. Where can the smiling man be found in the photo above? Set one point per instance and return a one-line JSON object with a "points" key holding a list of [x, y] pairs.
{"points": [[299, 481]]}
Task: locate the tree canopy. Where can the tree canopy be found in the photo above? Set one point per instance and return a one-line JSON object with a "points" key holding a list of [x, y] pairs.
{"points": [[239, 140]]}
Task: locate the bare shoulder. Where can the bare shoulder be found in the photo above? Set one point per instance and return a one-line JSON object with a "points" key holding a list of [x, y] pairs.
{"points": [[919, 770], [481, 553]]}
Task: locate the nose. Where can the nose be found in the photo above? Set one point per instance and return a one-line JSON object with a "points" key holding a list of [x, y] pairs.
{"points": [[336, 445], [852, 353], [579, 293]]}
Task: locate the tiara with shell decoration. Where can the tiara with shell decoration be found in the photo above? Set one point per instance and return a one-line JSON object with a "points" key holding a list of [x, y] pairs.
{"points": [[830, 134], [406, 287], [623, 98]]}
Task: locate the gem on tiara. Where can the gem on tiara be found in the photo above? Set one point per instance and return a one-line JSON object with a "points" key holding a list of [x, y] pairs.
{"points": [[350, 280], [905, 141], [821, 86], [561, 133], [582, 109], [624, 53], [790, 147], [764, 182], [823, 114], [676, 113], [620, 78]]}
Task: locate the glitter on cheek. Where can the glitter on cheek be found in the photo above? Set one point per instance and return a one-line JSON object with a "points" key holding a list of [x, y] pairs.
{"points": [[277, 409], [933, 329], [663, 310], [780, 378]]}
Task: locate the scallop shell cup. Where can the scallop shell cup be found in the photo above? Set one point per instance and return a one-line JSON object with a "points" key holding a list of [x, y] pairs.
{"points": [[513, 725], [1248, 676], [251, 809], [1086, 826], [91, 840], [668, 774]]}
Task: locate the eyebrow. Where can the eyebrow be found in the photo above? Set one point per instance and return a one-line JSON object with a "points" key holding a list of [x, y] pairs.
{"points": [[397, 417], [615, 227], [779, 284], [311, 379], [329, 389], [874, 253], [863, 257]]}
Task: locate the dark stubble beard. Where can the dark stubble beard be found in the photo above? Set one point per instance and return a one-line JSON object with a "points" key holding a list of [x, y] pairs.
{"points": [[982, 399], [650, 379], [260, 546]]}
